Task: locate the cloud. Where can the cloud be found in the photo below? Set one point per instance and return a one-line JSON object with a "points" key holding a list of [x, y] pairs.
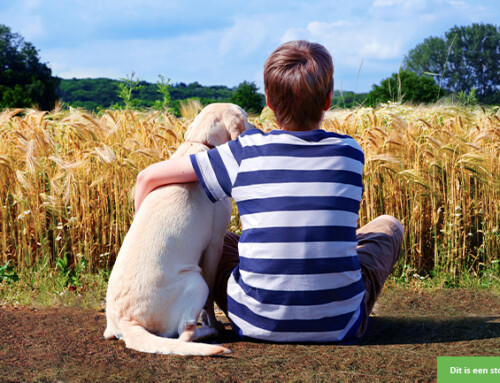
{"points": [[244, 37], [353, 41], [360, 47]]}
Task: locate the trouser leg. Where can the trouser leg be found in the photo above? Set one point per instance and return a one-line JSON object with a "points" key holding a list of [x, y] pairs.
{"points": [[379, 246], [229, 260]]}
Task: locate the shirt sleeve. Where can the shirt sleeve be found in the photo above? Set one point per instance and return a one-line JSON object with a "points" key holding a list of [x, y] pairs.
{"points": [[217, 169]]}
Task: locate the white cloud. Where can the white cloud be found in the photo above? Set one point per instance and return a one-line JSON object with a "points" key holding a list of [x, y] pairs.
{"points": [[292, 35], [317, 27], [351, 42], [381, 50], [360, 48], [244, 37]]}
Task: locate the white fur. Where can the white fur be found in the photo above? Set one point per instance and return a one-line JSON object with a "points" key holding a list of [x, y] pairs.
{"points": [[156, 290]]}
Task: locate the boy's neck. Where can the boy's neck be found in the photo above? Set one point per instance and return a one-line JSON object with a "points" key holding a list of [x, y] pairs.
{"points": [[306, 127]]}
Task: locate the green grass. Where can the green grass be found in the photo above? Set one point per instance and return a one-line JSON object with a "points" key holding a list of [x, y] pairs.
{"points": [[43, 286]]}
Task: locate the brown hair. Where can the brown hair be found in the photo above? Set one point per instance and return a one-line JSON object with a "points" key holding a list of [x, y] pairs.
{"points": [[298, 76]]}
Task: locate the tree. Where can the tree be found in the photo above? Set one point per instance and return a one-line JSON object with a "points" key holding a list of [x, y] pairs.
{"points": [[405, 86], [466, 58], [248, 98], [24, 80], [427, 58]]}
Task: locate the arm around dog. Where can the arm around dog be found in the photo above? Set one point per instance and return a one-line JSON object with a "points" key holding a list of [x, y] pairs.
{"points": [[178, 170]]}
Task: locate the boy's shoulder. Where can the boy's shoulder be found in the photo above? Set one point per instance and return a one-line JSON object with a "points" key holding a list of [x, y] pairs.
{"points": [[308, 135], [319, 136]]}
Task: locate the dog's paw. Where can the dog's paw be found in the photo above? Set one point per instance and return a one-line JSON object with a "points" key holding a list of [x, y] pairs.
{"points": [[205, 332], [209, 319]]}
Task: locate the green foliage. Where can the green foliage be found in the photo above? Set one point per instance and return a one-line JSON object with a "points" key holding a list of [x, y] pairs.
{"points": [[90, 94], [468, 98], [217, 93], [163, 88], [71, 276], [127, 86], [42, 286], [8, 273], [348, 100], [474, 61], [17, 96], [102, 93], [24, 80], [466, 58], [428, 58], [405, 86], [248, 98]]}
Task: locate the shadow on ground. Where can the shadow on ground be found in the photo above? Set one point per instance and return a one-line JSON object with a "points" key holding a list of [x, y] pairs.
{"points": [[397, 330]]}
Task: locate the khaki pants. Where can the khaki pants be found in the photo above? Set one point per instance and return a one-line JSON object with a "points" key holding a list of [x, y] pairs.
{"points": [[379, 245]]}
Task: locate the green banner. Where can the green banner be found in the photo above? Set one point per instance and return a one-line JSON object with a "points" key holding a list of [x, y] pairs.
{"points": [[459, 369]]}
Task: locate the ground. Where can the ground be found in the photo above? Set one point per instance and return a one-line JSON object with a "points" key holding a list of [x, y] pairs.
{"points": [[410, 329]]}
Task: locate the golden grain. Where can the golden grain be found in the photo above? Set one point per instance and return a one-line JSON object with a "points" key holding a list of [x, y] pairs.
{"points": [[67, 179]]}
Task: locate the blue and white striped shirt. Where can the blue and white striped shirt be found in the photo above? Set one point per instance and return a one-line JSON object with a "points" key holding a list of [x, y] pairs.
{"points": [[298, 195]]}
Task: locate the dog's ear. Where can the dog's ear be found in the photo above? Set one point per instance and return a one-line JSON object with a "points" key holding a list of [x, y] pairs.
{"points": [[238, 127], [239, 124]]}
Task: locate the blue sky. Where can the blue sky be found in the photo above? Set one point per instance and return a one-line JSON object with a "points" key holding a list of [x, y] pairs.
{"points": [[225, 42]]}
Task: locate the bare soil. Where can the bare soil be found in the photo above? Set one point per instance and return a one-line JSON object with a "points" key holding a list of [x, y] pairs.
{"points": [[410, 329]]}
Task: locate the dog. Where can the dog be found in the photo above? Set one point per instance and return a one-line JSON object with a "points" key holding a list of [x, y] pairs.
{"points": [[156, 290]]}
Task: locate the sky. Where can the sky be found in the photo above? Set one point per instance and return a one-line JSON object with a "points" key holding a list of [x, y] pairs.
{"points": [[226, 42]]}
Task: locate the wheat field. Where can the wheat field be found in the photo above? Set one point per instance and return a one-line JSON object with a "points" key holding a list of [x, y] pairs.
{"points": [[68, 175]]}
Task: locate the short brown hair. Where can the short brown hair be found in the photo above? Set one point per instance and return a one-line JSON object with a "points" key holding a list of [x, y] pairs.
{"points": [[298, 76]]}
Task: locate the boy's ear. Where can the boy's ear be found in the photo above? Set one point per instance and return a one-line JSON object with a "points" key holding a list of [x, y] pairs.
{"points": [[267, 102], [328, 101]]}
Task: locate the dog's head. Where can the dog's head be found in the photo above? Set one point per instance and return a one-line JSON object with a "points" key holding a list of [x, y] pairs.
{"points": [[217, 124]]}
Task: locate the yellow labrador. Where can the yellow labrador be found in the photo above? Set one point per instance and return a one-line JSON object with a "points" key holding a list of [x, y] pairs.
{"points": [[156, 290]]}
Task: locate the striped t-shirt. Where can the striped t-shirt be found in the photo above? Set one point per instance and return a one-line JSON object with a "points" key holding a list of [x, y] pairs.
{"points": [[298, 195]]}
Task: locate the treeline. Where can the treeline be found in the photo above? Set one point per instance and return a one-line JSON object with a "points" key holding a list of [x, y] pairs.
{"points": [[102, 93]]}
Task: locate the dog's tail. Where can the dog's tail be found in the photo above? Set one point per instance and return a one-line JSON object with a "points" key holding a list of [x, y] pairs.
{"points": [[138, 338]]}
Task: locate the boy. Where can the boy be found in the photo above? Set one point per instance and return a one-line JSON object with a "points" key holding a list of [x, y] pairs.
{"points": [[300, 272]]}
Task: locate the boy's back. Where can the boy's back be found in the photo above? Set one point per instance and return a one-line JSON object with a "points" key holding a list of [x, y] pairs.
{"points": [[298, 196]]}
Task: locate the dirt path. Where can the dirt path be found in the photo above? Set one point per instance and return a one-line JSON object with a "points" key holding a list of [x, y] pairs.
{"points": [[410, 330]]}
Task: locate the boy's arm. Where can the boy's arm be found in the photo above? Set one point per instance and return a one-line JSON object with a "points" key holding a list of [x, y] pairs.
{"points": [[178, 170]]}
